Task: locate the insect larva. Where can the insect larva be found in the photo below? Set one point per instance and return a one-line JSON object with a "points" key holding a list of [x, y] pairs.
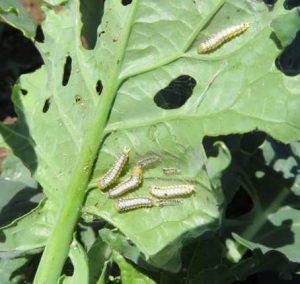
{"points": [[127, 204], [172, 191], [148, 160], [169, 202], [111, 176], [171, 171], [133, 182], [222, 37]]}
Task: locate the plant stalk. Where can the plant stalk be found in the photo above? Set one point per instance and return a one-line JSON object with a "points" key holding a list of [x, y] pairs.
{"points": [[57, 246]]}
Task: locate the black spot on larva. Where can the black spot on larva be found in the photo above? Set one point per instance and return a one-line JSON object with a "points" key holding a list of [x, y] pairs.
{"points": [[99, 87], [39, 35], [240, 204], [176, 93], [126, 2], [24, 92], [288, 61], [78, 99], [290, 4], [46, 105], [67, 71], [101, 33]]}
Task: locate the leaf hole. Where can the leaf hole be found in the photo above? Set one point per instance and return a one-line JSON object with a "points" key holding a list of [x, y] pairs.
{"points": [[39, 34], [24, 92], [126, 2], [99, 87], [270, 2], [67, 71], [290, 4], [101, 33], [78, 99], [288, 61], [176, 93], [91, 15], [46, 105], [240, 204]]}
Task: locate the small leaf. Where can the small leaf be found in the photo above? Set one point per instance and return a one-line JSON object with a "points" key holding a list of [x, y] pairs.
{"points": [[286, 26], [12, 12], [129, 274], [80, 262], [271, 180]]}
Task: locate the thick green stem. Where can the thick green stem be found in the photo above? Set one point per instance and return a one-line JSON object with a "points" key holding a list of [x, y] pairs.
{"points": [[57, 247]]}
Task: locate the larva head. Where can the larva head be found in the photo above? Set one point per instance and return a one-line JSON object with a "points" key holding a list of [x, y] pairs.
{"points": [[101, 185], [246, 25], [137, 171], [202, 48]]}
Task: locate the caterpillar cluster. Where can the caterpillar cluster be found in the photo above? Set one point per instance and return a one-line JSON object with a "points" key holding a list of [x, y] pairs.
{"points": [[221, 37], [163, 196]]}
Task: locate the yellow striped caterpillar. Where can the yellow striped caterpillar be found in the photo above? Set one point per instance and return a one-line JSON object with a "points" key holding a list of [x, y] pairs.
{"points": [[112, 174], [127, 204], [172, 191], [221, 37], [133, 182]]}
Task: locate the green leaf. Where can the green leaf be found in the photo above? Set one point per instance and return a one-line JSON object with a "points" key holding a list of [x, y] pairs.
{"points": [[19, 192], [80, 262], [140, 49], [272, 182], [209, 264], [19, 195], [129, 274], [286, 26], [27, 234], [12, 12], [8, 267], [98, 256]]}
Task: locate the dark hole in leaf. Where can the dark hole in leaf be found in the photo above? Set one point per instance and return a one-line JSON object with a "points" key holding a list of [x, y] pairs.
{"points": [[176, 93], [68, 268], [270, 2], [78, 99], [101, 33], [126, 2], [290, 4], [39, 35], [252, 140], [240, 204], [67, 71], [91, 12], [46, 105], [115, 270], [99, 87], [288, 61], [24, 92], [18, 55]]}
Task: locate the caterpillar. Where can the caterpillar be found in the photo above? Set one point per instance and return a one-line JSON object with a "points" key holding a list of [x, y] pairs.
{"points": [[128, 204], [171, 191], [148, 160], [221, 37], [171, 171], [133, 182], [169, 202], [112, 174]]}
